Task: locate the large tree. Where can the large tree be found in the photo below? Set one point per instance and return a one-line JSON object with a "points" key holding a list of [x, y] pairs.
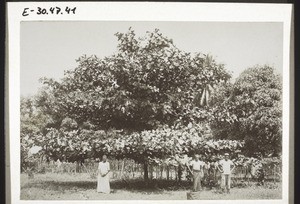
{"points": [[148, 82]]}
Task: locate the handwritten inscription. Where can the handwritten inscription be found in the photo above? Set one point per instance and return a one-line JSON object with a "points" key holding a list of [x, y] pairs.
{"points": [[49, 11]]}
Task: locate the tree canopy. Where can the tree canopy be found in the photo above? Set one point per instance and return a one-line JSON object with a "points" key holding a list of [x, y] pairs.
{"points": [[250, 109], [148, 82]]}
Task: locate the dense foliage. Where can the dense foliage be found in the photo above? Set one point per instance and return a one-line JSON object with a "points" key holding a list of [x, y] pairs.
{"points": [[141, 146], [250, 110], [148, 82], [153, 103]]}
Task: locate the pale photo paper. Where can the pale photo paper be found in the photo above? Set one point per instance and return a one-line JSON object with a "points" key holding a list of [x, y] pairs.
{"points": [[149, 102]]}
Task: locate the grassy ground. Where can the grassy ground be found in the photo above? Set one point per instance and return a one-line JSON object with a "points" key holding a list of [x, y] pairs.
{"points": [[52, 186]]}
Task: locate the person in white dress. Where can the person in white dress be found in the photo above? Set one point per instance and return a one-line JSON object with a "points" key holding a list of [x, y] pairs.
{"points": [[103, 185]]}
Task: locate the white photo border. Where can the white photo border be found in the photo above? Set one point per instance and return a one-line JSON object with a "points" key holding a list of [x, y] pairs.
{"points": [[146, 11]]}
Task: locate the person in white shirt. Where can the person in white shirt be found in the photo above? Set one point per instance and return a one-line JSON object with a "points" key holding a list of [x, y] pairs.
{"points": [[197, 172], [227, 167]]}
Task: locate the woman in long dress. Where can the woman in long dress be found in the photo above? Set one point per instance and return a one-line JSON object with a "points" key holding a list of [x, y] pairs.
{"points": [[103, 185]]}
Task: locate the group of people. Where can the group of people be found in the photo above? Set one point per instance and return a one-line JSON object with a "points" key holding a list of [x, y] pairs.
{"points": [[225, 166]]}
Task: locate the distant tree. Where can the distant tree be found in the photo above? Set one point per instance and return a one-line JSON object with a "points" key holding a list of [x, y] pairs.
{"points": [[251, 109], [32, 126], [211, 74]]}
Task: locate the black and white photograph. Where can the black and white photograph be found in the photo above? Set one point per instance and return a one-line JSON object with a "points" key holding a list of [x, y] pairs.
{"points": [[151, 109]]}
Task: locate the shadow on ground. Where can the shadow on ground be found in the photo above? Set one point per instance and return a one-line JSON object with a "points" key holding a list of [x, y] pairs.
{"points": [[153, 186]]}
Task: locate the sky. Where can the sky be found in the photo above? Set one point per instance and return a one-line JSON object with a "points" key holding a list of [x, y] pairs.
{"points": [[49, 48]]}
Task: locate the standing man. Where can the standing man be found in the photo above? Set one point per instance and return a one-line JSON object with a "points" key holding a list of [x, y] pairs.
{"points": [[227, 167], [197, 172]]}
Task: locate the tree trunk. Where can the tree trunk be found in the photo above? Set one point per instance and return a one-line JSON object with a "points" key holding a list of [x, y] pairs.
{"points": [[133, 169], [146, 171], [168, 173], [151, 172], [179, 173], [122, 169], [77, 168]]}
